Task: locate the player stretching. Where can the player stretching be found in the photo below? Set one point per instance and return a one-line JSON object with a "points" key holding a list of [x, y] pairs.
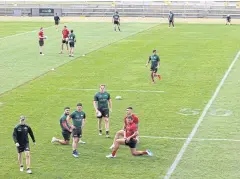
{"points": [[56, 19], [120, 133], [78, 120], [155, 63], [65, 33], [41, 40], [228, 20], [66, 129], [130, 134], [20, 137], [102, 103], [72, 41], [116, 21], [171, 19]]}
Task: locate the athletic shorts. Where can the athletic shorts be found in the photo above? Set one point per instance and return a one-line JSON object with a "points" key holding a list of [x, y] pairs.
{"points": [[66, 135], [64, 41], [71, 44], [116, 22], [132, 143], [56, 22], [41, 43], [104, 112], [154, 69], [228, 20], [77, 132], [171, 21], [23, 148]]}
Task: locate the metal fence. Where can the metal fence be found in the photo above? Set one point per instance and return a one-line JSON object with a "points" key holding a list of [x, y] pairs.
{"points": [[137, 8]]}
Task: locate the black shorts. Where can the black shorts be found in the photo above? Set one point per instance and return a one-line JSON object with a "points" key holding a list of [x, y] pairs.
{"points": [[171, 21], [104, 112], [66, 135], [116, 22], [228, 20], [41, 43], [64, 41], [71, 44], [77, 132], [23, 148], [132, 143], [154, 69], [56, 22]]}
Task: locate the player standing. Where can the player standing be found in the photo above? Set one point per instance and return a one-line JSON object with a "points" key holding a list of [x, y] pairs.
{"points": [[228, 20], [20, 138], [78, 120], [66, 129], [56, 19], [120, 133], [102, 104], [130, 134], [41, 40], [155, 63], [72, 41], [171, 19], [116, 21], [65, 33]]}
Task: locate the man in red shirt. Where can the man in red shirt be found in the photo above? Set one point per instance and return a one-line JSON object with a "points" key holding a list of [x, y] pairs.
{"points": [[41, 40], [120, 133], [130, 134], [65, 33]]}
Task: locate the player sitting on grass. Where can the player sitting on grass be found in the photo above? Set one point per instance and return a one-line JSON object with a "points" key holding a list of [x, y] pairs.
{"points": [[130, 134]]}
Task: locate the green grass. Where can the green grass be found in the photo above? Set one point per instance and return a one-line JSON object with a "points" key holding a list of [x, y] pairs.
{"points": [[193, 61]]}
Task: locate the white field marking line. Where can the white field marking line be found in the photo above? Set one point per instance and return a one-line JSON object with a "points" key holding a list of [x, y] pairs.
{"points": [[194, 139], [139, 91], [191, 135]]}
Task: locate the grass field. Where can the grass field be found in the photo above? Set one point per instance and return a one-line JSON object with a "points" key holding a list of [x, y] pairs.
{"points": [[194, 59]]}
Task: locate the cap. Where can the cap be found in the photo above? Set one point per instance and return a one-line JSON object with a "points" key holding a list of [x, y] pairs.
{"points": [[79, 104], [129, 107], [22, 118]]}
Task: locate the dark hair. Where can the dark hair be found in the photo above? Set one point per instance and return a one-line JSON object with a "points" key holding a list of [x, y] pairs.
{"points": [[79, 104], [129, 117], [154, 51], [129, 107], [65, 26], [66, 108], [71, 31]]}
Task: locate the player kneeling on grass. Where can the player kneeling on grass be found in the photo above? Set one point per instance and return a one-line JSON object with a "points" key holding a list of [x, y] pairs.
{"points": [[66, 129], [20, 137], [120, 133], [72, 41], [78, 120], [130, 134], [155, 63]]}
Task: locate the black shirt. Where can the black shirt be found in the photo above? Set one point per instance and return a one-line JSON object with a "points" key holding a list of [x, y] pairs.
{"points": [[56, 18], [20, 134]]}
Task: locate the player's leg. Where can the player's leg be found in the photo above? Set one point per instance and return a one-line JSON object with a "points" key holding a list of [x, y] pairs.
{"points": [[67, 44], [117, 143], [41, 43], [66, 136], [152, 76], [80, 139], [169, 23], [117, 135], [20, 159], [62, 46], [72, 51], [156, 74], [105, 114], [115, 26], [75, 146], [132, 145], [173, 23], [100, 125], [27, 154], [118, 26]]}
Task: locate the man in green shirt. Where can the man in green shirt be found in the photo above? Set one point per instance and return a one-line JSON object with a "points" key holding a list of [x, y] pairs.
{"points": [[72, 41], [78, 120], [66, 129], [155, 63], [102, 104]]}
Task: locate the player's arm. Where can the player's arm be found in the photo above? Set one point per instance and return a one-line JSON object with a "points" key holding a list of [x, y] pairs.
{"points": [[84, 120], [158, 63], [69, 117], [124, 134], [110, 102], [64, 124], [149, 59], [15, 134], [31, 134], [95, 101], [112, 19], [135, 134]]}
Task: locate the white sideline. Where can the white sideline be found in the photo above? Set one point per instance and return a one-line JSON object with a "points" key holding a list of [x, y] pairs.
{"points": [[88, 89], [194, 139], [191, 135]]}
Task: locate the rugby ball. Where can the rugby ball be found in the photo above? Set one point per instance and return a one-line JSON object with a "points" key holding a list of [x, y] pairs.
{"points": [[45, 37], [98, 114], [118, 97]]}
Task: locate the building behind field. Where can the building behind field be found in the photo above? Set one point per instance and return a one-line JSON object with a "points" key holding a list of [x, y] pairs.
{"points": [[136, 8]]}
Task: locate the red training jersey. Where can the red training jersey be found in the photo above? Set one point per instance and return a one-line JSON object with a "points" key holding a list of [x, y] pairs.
{"points": [[65, 33], [131, 129], [40, 35], [135, 120]]}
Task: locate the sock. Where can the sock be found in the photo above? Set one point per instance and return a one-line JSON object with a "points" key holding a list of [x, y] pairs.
{"points": [[119, 28], [107, 132], [100, 130], [21, 165], [145, 153], [114, 153], [152, 77], [40, 52]]}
